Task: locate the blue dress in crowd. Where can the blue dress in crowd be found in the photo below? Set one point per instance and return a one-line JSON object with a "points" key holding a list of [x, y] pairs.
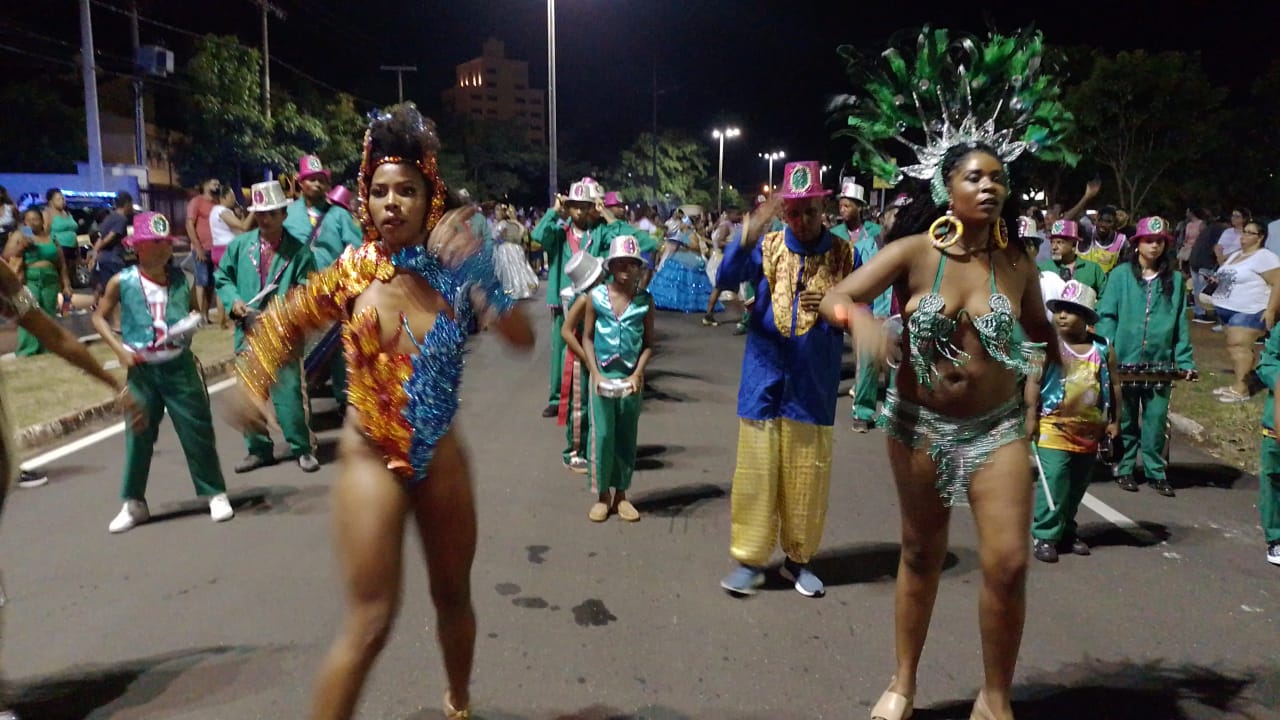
{"points": [[681, 283]]}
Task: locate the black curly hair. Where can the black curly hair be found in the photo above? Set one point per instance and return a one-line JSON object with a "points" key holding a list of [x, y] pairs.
{"points": [[921, 211]]}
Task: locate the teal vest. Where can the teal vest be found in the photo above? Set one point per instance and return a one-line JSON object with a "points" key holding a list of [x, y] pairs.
{"points": [[135, 316], [619, 339]]}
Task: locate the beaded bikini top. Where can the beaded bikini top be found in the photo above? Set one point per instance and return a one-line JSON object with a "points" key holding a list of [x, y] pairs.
{"points": [[930, 332]]}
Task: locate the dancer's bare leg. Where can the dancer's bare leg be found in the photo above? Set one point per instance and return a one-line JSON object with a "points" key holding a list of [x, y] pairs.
{"points": [[444, 507], [369, 509], [1001, 497], [924, 548]]}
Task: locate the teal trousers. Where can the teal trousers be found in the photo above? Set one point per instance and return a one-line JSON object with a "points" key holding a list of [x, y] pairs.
{"points": [[557, 359], [44, 283], [1143, 423], [866, 390], [615, 424], [1066, 478], [577, 421], [175, 386], [1269, 490]]}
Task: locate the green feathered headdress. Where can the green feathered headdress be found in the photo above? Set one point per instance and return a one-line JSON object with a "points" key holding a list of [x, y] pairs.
{"points": [[953, 89]]}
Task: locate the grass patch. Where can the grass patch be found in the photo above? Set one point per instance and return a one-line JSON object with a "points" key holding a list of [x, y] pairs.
{"points": [[41, 388], [1232, 432]]}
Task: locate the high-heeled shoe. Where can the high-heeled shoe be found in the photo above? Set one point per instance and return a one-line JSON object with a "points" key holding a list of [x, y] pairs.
{"points": [[892, 706], [452, 713], [980, 709]]}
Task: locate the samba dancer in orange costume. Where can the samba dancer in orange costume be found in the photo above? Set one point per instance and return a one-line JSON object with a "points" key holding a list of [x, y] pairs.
{"points": [[399, 453]]}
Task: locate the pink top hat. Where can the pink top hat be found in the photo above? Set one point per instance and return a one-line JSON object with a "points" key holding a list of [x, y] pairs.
{"points": [[611, 199], [149, 227], [339, 195], [1153, 226], [1065, 229], [309, 165], [800, 180]]}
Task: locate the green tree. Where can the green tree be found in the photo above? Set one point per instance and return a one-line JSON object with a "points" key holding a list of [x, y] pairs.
{"points": [[42, 126], [1150, 120], [682, 165], [226, 130], [344, 128], [293, 134]]}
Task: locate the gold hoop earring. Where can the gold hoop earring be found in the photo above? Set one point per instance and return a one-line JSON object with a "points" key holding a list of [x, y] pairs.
{"points": [[945, 239], [1001, 234]]}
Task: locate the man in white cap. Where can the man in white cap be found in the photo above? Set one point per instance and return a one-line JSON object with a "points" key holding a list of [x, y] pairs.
{"points": [[258, 266], [866, 238], [577, 223]]}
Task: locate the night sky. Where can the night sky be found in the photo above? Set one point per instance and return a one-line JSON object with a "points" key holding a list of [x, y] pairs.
{"points": [[764, 66]]}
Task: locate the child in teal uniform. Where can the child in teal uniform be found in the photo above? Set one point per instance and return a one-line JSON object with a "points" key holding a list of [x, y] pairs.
{"points": [[1144, 315], [617, 341], [584, 271], [1078, 402], [155, 304]]}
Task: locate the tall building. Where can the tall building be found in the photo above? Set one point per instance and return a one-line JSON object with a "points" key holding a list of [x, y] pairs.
{"points": [[495, 87]]}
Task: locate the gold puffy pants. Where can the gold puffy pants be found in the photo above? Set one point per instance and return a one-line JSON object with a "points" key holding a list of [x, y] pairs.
{"points": [[781, 481]]}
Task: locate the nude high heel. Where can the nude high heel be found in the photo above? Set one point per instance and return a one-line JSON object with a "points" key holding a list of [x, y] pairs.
{"points": [[980, 709], [892, 706]]}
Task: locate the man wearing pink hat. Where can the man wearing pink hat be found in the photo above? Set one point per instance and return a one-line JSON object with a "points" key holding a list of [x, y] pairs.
{"points": [[158, 318], [579, 222], [1063, 261], [325, 226], [790, 374]]}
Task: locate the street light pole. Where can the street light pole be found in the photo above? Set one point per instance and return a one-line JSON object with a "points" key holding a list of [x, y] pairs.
{"points": [[400, 70], [93, 129], [553, 180], [771, 156], [721, 135]]}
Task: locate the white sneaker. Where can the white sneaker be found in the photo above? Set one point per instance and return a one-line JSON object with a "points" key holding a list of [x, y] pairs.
{"points": [[220, 508], [132, 514], [1273, 553]]}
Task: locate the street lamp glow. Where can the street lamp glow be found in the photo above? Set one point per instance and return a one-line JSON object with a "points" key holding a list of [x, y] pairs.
{"points": [[771, 156], [720, 135]]}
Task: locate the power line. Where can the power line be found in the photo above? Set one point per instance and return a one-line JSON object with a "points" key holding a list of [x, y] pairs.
{"points": [[73, 63], [150, 21]]}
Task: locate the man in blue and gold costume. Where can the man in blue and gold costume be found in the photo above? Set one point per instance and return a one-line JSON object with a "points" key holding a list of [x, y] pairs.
{"points": [[787, 395]]}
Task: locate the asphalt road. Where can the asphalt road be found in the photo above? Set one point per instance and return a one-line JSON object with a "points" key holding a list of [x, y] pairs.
{"points": [[1174, 617]]}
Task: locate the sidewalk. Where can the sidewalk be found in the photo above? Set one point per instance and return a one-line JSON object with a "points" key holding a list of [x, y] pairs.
{"points": [[47, 398]]}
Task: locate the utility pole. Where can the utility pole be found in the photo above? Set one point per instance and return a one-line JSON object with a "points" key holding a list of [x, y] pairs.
{"points": [[139, 124], [267, 6], [400, 70], [554, 170], [97, 176]]}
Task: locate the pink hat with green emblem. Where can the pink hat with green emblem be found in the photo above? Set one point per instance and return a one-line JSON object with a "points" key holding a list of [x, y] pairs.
{"points": [[149, 227], [800, 180], [309, 165], [1153, 226]]}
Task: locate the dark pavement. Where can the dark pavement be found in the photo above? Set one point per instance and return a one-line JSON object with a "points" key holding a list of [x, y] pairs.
{"points": [[182, 618]]}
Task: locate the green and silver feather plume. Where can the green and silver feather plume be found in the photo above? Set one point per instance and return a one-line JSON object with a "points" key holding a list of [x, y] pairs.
{"points": [[953, 89]]}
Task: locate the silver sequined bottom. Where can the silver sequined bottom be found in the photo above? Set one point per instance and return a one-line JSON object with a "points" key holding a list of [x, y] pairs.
{"points": [[960, 446]]}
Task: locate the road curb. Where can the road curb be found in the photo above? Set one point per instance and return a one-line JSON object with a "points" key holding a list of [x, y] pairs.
{"points": [[1186, 426], [47, 432]]}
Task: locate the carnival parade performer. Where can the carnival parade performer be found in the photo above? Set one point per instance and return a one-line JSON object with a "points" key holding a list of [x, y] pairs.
{"points": [[1064, 235], [585, 272], [1267, 374], [955, 419], [681, 283], [404, 298], [1066, 442], [509, 257], [790, 375], [259, 265], [617, 342], [579, 222], [1105, 242], [325, 227], [158, 317], [866, 238], [1143, 314]]}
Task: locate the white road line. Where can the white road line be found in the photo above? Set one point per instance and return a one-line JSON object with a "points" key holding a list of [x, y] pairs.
{"points": [[84, 442], [90, 338], [1119, 519]]}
